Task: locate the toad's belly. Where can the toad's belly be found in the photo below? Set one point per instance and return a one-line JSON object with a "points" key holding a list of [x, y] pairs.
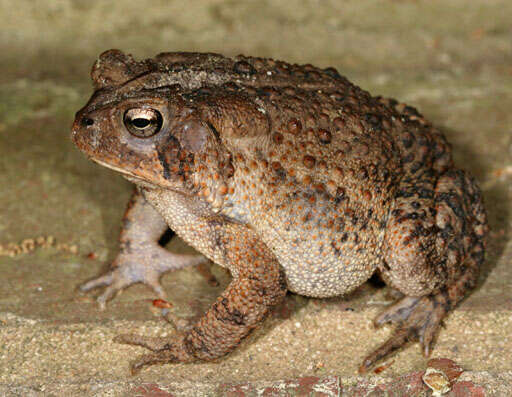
{"points": [[320, 269], [316, 263], [322, 254]]}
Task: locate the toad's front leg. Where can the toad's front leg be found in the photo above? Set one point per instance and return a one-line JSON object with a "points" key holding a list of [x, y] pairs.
{"points": [[141, 259], [258, 285]]}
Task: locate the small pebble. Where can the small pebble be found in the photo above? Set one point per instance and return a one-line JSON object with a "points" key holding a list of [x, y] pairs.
{"points": [[440, 375], [437, 381]]}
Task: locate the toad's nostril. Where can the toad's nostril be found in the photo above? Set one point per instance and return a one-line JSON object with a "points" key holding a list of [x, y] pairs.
{"points": [[87, 121]]}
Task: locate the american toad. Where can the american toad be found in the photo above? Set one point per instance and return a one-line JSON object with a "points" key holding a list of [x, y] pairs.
{"points": [[289, 176]]}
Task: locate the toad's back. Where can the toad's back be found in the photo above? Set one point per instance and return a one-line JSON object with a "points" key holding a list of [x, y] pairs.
{"points": [[315, 160]]}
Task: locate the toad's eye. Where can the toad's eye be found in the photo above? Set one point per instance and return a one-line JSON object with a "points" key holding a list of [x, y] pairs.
{"points": [[142, 122]]}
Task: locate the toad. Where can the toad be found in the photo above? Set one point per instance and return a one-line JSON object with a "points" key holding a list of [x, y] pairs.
{"points": [[289, 176]]}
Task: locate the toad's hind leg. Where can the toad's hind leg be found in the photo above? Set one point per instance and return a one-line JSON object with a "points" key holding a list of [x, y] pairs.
{"points": [[434, 249], [141, 259]]}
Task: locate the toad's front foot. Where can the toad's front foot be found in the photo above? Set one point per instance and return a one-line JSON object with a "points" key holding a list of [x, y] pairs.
{"points": [[418, 319], [144, 265]]}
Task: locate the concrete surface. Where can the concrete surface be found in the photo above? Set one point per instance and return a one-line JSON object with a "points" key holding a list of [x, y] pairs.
{"points": [[451, 59]]}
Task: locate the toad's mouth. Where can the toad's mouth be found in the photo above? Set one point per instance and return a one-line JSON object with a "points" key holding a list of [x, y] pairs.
{"points": [[127, 174], [138, 180], [113, 167]]}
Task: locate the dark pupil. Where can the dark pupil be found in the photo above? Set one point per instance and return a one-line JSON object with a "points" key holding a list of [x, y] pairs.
{"points": [[141, 123]]}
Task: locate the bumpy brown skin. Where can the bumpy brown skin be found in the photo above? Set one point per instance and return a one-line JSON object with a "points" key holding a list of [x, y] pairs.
{"points": [[292, 178]]}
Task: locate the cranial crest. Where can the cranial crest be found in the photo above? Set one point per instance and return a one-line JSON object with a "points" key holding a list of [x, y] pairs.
{"points": [[114, 68]]}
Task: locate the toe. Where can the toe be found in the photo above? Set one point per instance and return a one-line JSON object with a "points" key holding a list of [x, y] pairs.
{"points": [[111, 290], [397, 312], [428, 334], [400, 337], [107, 294], [106, 279], [154, 284], [149, 342], [144, 361]]}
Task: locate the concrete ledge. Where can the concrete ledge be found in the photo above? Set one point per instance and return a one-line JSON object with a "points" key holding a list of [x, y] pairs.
{"points": [[470, 384]]}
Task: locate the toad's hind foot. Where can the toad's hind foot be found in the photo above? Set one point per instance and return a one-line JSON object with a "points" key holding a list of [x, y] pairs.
{"points": [[418, 319], [163, 350]]}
